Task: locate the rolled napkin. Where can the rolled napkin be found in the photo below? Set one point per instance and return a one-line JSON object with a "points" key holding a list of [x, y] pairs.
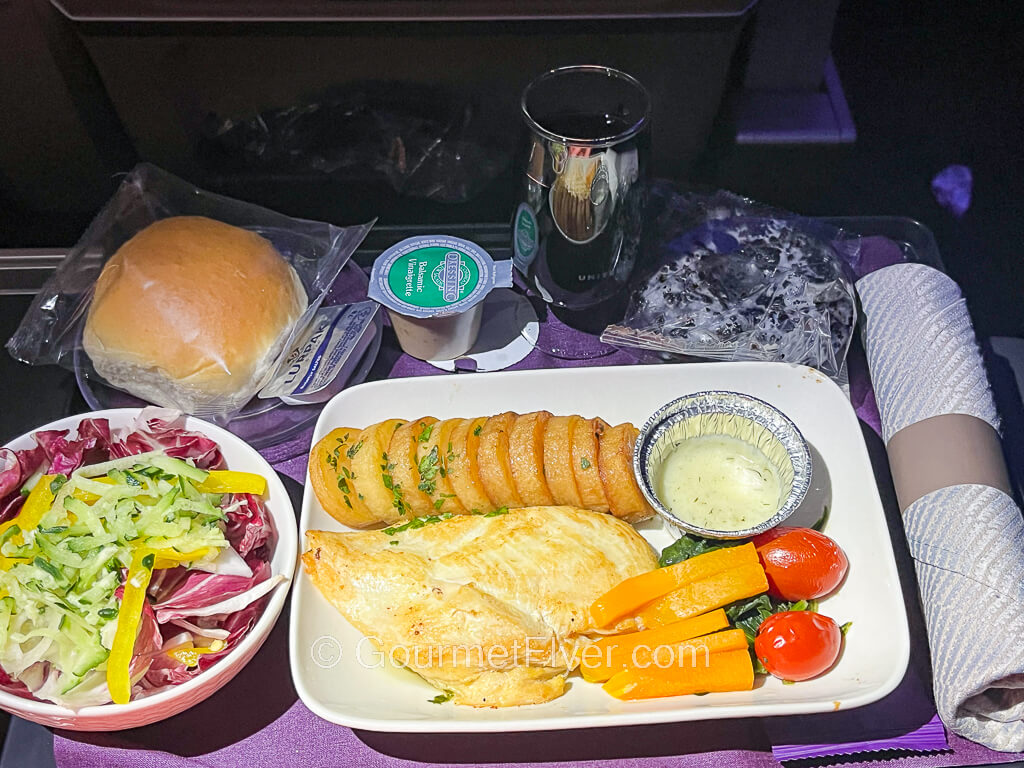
{"points": [[964, 530]]}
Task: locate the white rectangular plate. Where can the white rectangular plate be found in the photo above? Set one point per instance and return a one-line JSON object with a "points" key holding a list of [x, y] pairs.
{"points": [[339, 679]]}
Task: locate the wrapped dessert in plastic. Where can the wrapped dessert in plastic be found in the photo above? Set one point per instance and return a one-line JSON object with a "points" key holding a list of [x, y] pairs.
{"points": [[735, 281]]}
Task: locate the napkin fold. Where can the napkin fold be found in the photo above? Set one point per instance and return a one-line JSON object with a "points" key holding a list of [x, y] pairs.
{"points": [[967, 540]]}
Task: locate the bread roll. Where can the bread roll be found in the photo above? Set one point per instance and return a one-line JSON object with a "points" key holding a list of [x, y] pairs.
{"points": [[190, 313]]}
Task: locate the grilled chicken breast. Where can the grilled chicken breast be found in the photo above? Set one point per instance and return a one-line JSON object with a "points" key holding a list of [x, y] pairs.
{"points": [[492, 608]]}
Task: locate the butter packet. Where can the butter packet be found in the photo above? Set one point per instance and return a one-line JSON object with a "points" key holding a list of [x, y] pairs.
{"points": [[324, 356]]}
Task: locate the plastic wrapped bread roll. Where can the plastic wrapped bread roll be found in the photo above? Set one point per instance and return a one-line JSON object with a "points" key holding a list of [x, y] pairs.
{"points": [[191, 314]]}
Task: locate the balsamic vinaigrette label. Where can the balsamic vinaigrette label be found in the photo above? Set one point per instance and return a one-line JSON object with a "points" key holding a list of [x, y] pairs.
{"points": [[433, 277]]}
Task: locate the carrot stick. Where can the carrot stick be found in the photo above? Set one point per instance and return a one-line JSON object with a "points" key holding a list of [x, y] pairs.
{"points": [[703, 595], [629, 595], [599, 660], [650, 656], [726, 671]]}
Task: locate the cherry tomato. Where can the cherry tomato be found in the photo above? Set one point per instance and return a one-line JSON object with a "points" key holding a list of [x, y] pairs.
{"points": [[798, 645], [800, 563]]}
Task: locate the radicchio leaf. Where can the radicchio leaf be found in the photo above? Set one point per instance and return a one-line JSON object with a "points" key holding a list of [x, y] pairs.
{"points": [[99, 430], [11, 506], [66, 455], [10, 685], [199, 590], [249, 527], [161, 429], [16, 467], [166, 670], [238, 624]]}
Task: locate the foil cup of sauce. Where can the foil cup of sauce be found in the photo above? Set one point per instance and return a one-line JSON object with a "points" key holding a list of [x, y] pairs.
{"points": [[722, 465], [433, 288]]}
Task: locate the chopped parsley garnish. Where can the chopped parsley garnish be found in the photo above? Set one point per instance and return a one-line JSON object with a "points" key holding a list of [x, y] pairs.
{"points": [[425, 434], [492, 513], [397, 499], [585, 463], [441, 698], [478, 430], [428, 469], [417, 522]]}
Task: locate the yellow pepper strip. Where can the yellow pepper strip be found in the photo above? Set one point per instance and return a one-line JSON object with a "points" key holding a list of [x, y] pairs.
{"points": [[36, 505], [91, 498], [119, 681], [229, 481], [85, 496], [170, 558], [7, 562], [188, 654]]}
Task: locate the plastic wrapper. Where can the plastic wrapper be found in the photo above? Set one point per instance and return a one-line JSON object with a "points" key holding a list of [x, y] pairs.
{"points": [[51, 331], [734, 280], [423, 141]]}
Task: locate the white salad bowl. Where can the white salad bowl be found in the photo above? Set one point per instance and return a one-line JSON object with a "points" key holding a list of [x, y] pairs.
{"points": [[238, 455]]}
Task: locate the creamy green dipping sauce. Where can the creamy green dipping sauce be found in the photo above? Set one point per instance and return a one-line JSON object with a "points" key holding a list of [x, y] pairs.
{"points": [[720, 483]]}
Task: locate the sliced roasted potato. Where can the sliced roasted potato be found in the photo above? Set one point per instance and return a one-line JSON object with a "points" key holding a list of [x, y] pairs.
{"points": [[558, 460], [333, 482], [526, 455], [585, 433], [403, 454], [434, 457], [615, 462], [493, 461], [372, 467], [463, 470]]}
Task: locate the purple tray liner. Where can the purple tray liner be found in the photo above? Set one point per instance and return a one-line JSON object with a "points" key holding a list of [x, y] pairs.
{"points": [[924, 739], [282, 731]]}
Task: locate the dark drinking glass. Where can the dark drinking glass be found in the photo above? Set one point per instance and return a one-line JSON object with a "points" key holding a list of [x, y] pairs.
{"points": [[576, 231]]}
